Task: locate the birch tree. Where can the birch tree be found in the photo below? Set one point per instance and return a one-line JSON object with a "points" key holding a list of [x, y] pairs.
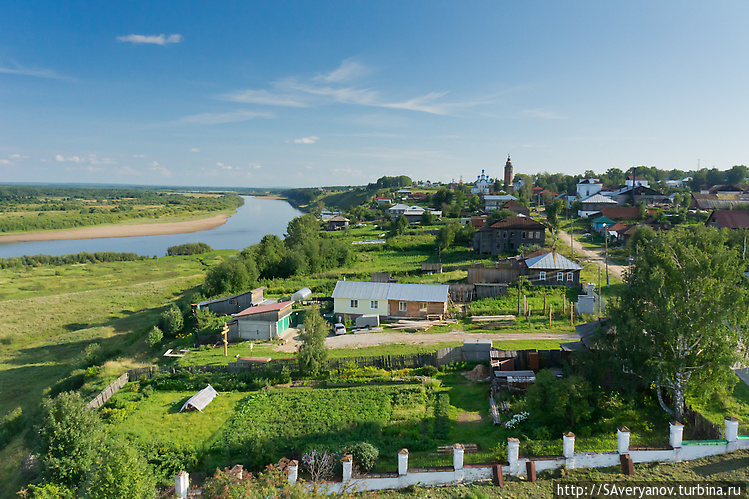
{"points": [[681, 318]]}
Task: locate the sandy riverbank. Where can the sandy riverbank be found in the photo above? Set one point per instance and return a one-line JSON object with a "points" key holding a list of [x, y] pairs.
{"points": [[102, 231]]}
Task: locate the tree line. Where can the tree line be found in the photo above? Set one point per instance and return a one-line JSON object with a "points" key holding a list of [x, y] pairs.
{"points": [[75, 258], [306, 249]]}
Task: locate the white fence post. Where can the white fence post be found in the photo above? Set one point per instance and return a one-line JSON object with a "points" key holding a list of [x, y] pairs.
{"points": [[181, 484], [293, 470], [347, 461], [676, 434], [732, 429], [458, 451], [622, 440], [513, 453], [403, 462], [568, 449]]}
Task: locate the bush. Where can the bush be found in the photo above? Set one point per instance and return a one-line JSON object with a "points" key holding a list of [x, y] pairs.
{"points": [[154, 337], [171, 321], [429, 371], [364, 454]]}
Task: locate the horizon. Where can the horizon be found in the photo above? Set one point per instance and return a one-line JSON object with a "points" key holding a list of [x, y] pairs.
{"points": [[311, 95]]}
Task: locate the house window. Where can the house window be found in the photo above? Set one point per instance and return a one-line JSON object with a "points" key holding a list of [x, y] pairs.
{"points": [[402, 306], [522, 236], [423, 307], [570, 276], [354, 303], [232, 302], [542, 275], [560, 276], [373, 304], [504, 234], [538, 235]]}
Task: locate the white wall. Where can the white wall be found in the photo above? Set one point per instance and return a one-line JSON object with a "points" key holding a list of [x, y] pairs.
{"points": [[343, 306]]}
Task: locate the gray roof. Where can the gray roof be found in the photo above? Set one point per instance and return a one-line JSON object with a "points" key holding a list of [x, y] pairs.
{"points": [[391, 291], [551, 260], [599, 199], [200, 400]]}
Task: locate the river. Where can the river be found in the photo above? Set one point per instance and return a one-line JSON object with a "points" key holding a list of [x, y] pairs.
{"points": [[254, 219]]}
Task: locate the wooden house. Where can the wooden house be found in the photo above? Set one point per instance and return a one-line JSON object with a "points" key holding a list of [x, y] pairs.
{"points": [[389, 300], [263, 322], [232, 304]]}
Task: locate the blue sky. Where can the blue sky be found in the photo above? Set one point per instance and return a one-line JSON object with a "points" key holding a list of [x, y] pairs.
{"points": [[301, 93]]}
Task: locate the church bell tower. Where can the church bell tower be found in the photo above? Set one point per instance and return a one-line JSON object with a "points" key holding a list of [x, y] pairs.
{"points": [[508, 174]]}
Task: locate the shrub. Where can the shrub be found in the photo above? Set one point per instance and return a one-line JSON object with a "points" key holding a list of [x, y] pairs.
{"points": [[171, 321], [154, 337], [364, 454], [429, 371]]}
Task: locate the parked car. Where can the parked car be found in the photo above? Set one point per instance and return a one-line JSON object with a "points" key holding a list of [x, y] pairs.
{"points": [[339, 328]]}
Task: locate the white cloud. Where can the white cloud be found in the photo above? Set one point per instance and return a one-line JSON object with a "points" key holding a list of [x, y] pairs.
{"points": [[194, 149], [219, 118], [72, 159], [164, 172], [17, 69], [17, 156], [307, 140], [264, 97], [256, 166], [96, 160], [75, 159], [347, 71], [4, 162], [139, 155], [151, 39], [60, 158], [153, 164]]}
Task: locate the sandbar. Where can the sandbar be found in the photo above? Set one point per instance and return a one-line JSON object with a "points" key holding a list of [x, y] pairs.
{"points": [[104, 231]]}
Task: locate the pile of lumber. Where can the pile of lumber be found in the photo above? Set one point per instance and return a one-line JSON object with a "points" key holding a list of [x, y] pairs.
{"points": [[421, 325], [490, 321]]}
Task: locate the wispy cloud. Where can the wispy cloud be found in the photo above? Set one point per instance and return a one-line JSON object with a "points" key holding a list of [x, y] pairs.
{"points": [[543, 114], [265, 98], [336, 87], [4, 162], [151, 39], [349, 70], [219, 118], [71, 159], [194, 149], [306, 140], [350, 172], [17, 69]]}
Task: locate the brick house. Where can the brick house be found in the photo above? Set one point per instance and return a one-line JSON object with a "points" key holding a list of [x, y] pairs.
{"points": [[389, 300]]}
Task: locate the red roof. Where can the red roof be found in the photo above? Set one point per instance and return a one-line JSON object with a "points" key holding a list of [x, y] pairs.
{"points": [[273, 307]]}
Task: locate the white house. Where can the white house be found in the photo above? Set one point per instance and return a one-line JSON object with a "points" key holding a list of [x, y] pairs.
{"points": [[588, 187], [386, 299]]}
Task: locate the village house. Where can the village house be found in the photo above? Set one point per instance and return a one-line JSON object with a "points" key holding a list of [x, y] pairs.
{"points": [[718, 201], [551, 269], [593, 204], [588, 187], [389, 300], [640, 193], [263, 322], [495, 202], [412, 213], [508, 235], [728, 219], [381, 201], [338, 223], [231, 304]]}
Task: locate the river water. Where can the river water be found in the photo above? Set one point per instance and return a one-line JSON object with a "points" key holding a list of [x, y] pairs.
{"points": [[254, 219]]}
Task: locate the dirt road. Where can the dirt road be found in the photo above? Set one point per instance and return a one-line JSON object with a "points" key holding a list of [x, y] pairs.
{"points": [[358, 340]]}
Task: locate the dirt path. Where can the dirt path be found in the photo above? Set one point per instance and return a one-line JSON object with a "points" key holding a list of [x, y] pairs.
{"points": [[358, 340], [595, 256]]}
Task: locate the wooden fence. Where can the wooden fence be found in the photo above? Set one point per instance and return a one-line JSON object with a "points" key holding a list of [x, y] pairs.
{"points": [[110, 390]]}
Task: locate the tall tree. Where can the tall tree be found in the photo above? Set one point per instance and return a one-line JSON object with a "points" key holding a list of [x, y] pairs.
{"points": [[312, 353], [682, 314], [71, 434]]}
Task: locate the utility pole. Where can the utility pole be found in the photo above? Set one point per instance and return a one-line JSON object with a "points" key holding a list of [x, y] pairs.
{"points": [[599, 294], [606, 255]]}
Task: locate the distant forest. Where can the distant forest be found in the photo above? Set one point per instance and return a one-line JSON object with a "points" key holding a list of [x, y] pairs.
{"points": [[30, 208]]}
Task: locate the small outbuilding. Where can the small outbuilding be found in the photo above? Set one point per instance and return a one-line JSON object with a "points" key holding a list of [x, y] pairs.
{"points": [[263, 322], [200, 400]]}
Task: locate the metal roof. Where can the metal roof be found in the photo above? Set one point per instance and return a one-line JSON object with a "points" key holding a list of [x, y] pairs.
{"points": [[259, 309], [391, 291], [200, 400], [598, 199], [551, 260]]}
